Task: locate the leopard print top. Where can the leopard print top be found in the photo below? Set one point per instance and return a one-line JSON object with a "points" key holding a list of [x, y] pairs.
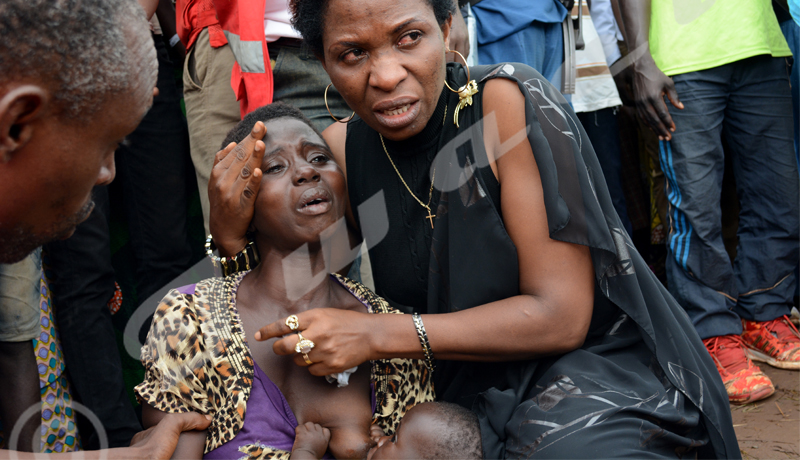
{"points": [[196, 359]]}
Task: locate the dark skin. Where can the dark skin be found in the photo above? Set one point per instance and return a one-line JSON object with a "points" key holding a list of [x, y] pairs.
{"points": [[418, 427], [382, 56], [649, 84], [297, 167]]}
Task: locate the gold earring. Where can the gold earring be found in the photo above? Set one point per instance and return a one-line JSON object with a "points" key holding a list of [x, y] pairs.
{"points": [[465, 93], [447, 50], [329, 109]]}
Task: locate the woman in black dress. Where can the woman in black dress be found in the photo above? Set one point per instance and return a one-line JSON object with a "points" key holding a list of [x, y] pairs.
{"points": [[541, 315]]}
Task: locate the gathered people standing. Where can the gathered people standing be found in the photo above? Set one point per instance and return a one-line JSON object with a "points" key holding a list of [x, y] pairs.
{"points": [[723, 67]]}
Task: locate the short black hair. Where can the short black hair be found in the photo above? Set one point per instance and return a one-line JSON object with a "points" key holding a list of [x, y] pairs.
{"points": [[78, 48], [264, 114], [460, 436], [308, 17]]}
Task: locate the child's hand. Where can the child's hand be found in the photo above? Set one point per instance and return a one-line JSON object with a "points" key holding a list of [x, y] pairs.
{"points": [[375, 434], [311, 441]]}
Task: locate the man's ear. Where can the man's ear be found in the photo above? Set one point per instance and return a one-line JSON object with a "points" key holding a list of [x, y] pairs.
{"points": [[19, 108]]}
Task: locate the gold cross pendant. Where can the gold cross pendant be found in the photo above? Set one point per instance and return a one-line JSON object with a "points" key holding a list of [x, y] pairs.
{"points": [[430, 217]]}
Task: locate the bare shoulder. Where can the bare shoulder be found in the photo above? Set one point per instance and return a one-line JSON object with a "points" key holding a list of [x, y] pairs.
{"points": [[501, 95], [335, 136], [505, 127]]}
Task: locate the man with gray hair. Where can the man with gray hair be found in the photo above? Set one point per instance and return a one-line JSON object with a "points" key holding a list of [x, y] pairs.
{"points": [[76, 77]]}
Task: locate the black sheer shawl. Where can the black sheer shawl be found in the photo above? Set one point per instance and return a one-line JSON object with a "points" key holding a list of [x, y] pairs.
{"points": [[473, 261]]}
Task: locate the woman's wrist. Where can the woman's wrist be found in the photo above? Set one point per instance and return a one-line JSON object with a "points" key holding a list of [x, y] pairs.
{"points": [[245, 259], [230, 247], [422, 335], [227, 239], [393, 336]]}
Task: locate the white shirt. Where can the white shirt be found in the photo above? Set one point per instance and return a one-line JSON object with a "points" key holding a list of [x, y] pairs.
{"points": [[607, 28], [594, 86], [277, 20]]}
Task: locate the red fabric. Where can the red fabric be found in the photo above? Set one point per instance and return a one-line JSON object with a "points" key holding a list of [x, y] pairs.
{"points": [[244, 18], [192, 16]]}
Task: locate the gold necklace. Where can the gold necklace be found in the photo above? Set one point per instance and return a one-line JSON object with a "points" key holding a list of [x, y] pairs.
{"points": [[430, 215]]}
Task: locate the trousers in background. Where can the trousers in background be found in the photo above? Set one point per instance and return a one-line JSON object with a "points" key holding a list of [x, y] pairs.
{"points": [[300, 81], [82, 284], [791, 30], [211, 107], [602, 128], [154, 169], [748, 102]]}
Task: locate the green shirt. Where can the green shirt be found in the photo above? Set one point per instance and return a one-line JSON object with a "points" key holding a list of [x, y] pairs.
{"points": [[691, 35]]}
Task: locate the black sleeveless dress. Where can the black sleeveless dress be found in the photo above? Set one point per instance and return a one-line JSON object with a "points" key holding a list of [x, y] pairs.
{"points": [[641, 385]]}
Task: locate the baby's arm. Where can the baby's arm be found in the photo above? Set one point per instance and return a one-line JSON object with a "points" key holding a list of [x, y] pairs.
{"points": [[310, 442]]}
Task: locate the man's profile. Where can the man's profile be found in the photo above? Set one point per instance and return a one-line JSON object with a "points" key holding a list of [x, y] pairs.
{"points": [[76, 77]]}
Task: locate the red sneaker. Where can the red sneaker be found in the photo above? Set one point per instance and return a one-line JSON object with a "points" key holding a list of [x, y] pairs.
{"points": [[775, 342], [743, 380]]}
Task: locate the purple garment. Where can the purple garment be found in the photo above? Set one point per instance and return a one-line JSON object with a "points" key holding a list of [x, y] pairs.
{"points": [[188, 289], [268, 421]]}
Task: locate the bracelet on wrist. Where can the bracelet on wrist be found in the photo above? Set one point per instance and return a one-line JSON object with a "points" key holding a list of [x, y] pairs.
{"points": [[246, 259], [423, 340]]}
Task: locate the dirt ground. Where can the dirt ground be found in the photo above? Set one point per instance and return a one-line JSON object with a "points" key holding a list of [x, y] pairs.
{"points": [[770, 428]]}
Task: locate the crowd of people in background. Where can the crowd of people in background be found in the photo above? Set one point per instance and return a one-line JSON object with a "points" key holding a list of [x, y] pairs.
{"points": [[692, 111]]}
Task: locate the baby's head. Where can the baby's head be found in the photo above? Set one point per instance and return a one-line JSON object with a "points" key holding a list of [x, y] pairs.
{"points": [[303, 190], [432, 430]]}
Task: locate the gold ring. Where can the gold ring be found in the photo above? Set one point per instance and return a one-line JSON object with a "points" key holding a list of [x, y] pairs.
{"points": [[308, 361], [293, 322], [303, 344]]}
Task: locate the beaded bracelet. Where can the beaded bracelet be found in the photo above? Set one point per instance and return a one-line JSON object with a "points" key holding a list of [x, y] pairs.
{"points": [[423, 340], [245, 259]]}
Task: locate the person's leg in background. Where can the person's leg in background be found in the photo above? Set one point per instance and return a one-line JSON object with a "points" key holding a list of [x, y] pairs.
{"points": [[211, 107], [300, 80], [792, 33], [19, 324], [82, 284], [152, 167], [699, 272], [469, 20], [603, 130], [758, 127]]}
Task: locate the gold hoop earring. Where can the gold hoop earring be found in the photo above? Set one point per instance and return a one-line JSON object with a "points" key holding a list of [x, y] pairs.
{"points": [[466, 66], [465, 93], [343, 120]]}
